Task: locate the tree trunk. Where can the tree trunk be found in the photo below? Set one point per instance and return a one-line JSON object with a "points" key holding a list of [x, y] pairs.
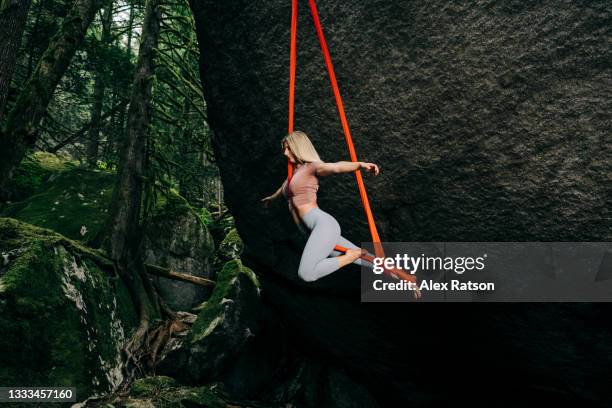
{"points": [[122, 238], [99, 88], [22, 122], [123, 229], [130, 29], [13, 15], [125, 208], [184, 179], [122, 112], [31, 42]]}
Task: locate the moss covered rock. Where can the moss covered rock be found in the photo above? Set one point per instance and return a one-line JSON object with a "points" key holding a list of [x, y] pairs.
{"points": [[34, 171], [73, 201], [231, 247], [176, 238], [158, 391], [63, 313], [225, 324]]}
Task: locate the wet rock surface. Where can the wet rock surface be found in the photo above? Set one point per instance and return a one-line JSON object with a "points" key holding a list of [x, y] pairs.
{"points": [[489, 122]]}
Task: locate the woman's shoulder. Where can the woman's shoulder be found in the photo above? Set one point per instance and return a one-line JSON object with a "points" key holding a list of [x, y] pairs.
{"points": [[314, 165]]}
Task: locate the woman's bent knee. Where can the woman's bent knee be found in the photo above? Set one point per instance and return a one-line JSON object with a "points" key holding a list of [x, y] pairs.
{"points": [[307, 275], [323, 268]]}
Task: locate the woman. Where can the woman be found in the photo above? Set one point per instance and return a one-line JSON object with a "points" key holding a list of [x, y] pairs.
{"points": [[302, 196]]}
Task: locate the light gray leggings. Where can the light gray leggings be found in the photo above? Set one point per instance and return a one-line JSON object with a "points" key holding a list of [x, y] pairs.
{"points": [[319, 256]]}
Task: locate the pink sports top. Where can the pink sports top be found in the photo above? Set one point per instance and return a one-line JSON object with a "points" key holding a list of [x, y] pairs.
{"points": [[304, 185]]}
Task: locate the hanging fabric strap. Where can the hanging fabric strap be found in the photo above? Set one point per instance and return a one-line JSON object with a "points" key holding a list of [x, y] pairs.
{"points": [[378, 250], [292, 63], [347, 133]]}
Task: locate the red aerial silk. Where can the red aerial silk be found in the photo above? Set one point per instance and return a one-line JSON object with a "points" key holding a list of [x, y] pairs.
{"points": [[378, 250]]}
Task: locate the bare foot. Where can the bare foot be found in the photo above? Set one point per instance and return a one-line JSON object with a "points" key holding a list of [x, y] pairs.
{"points": [[354, 254]]}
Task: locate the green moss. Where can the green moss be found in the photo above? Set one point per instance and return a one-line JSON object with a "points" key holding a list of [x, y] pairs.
{"points": [[149, 386], [231, 246], [34, 170], [224, 224], [205, 216], [211, 309], [27, 178], [169, 206], [17, 234], [52, 162], [172, 205], [59, 195], [165, 390], [63, 315], [14, 233], [173, 211], [74, 203]]}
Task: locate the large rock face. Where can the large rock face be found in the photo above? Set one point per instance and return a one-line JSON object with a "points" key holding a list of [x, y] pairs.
{"points": [[490, 121], [64, 317]]}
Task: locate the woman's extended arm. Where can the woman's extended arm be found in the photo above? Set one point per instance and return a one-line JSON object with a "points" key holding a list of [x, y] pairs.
{"points": [[325, 169], [267, 200]]}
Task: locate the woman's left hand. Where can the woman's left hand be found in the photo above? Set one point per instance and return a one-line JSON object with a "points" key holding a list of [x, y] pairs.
{"points": [[371, 167]]}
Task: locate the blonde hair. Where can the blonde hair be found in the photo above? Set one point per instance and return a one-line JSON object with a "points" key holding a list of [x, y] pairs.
{"points": [[301, 147]]}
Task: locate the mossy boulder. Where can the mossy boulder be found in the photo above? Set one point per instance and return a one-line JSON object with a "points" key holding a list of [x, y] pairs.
{"points": [[158, 391], [231, 247], [176, 238], [34, 171], [73, 201], [64, 314], [226, 323]]}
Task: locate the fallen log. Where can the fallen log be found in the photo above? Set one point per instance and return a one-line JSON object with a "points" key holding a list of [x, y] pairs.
{"points": [[167, 273]]}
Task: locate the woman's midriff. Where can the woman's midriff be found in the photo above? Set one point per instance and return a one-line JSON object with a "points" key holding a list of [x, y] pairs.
{"points": [[299, 212]]}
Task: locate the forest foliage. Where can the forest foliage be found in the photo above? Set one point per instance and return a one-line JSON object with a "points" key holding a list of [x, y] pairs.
{"points": [[86, 117], [103, 122]]}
